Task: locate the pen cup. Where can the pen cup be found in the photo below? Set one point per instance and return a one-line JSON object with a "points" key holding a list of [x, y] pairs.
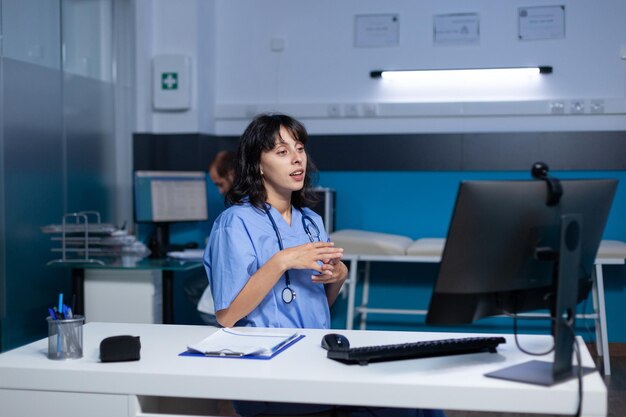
{"points": [[65, 338]]}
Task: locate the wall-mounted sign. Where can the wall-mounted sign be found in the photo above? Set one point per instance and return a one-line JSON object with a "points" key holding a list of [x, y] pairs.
{"points": [[459, 28], [544, 22], [376, 30], [169, 80]]}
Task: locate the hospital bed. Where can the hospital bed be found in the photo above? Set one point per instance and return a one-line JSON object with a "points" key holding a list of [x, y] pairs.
{"points": [[361, 248]]}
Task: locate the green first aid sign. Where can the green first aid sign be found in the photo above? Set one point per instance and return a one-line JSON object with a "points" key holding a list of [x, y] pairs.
{"points": [[169, 81]]}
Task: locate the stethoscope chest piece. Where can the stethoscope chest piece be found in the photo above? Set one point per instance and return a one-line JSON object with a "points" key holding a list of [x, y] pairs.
{"points": [[288, 295]]}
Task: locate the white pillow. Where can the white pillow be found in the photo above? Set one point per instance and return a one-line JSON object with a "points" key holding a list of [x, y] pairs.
{"points": [[428, 246], [612, 249], [362, 242]]}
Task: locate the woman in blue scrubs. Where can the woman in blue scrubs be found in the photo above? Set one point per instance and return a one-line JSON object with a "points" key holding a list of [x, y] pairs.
{"points": [[268, 259], [258, 279]]}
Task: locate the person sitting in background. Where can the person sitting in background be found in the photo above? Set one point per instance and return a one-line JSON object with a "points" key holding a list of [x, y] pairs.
{"points": [[222, 174], [222, 170]]}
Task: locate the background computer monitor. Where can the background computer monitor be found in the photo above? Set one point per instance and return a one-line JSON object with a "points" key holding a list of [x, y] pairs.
{"points": [[502, 237], [170, 196], [325, 207], [164, 197]]}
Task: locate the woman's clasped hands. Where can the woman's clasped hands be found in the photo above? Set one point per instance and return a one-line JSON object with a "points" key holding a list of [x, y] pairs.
{"points": [[322, 257]]}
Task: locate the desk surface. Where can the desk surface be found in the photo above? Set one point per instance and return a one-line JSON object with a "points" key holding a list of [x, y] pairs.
{"points": [[302, 373], [133, 262]]}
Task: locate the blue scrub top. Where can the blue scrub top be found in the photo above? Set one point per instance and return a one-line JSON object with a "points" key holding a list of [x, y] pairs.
{"points": [[241, 241]]}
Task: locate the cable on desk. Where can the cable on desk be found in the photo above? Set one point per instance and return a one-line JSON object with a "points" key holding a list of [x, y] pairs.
{"points": [[590, 334], [568, 325], [517, 343], [580, 370]]}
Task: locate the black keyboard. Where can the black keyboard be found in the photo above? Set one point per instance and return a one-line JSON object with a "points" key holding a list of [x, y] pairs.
{"points": [[366, 354]]}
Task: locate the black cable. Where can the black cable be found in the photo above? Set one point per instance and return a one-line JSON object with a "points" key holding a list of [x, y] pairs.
{"points": [[519, 346], [569, 326], [580, 369], [590, 334]]}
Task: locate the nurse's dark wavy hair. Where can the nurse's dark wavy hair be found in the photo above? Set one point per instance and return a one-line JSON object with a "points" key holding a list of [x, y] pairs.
{"points": [[260, 136]]}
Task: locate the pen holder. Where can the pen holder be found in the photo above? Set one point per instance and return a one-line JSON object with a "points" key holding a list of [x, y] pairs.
{"points": [[65, 338]]}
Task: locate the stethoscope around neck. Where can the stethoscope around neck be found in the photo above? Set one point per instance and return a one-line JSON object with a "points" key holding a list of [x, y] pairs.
{"points": [[288, 294]]}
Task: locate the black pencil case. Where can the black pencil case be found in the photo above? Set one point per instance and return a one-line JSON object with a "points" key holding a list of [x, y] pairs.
{"points": [[120, 349]]}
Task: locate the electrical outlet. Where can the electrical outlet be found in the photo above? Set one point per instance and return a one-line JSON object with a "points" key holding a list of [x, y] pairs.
{"points": [[596, 106], [251, 111], [577, 107], [351, 110], [369, 109], [557, 107], [334, 110], [277, 44]]}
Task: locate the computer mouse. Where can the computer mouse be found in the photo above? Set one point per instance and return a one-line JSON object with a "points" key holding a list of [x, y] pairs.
{"points": [[334, 341]]}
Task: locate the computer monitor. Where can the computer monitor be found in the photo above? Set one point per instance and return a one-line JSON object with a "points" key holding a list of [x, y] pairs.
{"points": [[325, 207], [164, 197], [508, 251]]}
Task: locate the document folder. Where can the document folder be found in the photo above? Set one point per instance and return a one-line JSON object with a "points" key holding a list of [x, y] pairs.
{"points": [[245, 343]]}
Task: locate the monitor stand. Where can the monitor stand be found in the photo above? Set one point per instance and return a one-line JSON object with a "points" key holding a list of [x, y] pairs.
{"points": [[566, 287], [537, 373], [159, 241]]}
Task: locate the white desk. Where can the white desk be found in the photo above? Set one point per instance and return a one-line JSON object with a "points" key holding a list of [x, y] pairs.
{"points": [[32, 385]]}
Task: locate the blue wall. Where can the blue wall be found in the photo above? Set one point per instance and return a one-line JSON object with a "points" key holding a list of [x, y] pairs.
{"points": [[419, 204]]}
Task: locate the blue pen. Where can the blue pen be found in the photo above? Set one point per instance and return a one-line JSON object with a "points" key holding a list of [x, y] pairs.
{"points": [[59, 316], [60, 303], [53, 315], [67, 312]]}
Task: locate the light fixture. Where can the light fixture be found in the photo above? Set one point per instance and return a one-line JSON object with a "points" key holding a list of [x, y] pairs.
{"points": [[464, 74]]}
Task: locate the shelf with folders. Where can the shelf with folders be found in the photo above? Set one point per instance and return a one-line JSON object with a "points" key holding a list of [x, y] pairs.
{"points": [[84, 238]]}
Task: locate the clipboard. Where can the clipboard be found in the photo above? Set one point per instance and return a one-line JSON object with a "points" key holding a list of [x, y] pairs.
{"points": [[274, 353]]}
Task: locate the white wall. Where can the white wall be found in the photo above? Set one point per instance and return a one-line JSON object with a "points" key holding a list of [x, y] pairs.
{"points": [[184, 27], [320, 68]]}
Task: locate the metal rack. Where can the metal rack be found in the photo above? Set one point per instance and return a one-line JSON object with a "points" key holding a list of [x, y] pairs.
{"points": [[84, 239]]}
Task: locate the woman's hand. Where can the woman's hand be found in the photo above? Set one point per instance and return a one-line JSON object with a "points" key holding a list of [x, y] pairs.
{"points": [[322, 257], [332, 271], [307, 256], [333, 277]]}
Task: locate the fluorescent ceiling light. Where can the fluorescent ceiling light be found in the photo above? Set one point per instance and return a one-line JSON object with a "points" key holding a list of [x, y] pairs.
{"points": [[469, 74]]}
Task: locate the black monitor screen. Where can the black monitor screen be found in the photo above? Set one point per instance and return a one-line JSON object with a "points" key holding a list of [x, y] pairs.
{"points": [[497, 255]]}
